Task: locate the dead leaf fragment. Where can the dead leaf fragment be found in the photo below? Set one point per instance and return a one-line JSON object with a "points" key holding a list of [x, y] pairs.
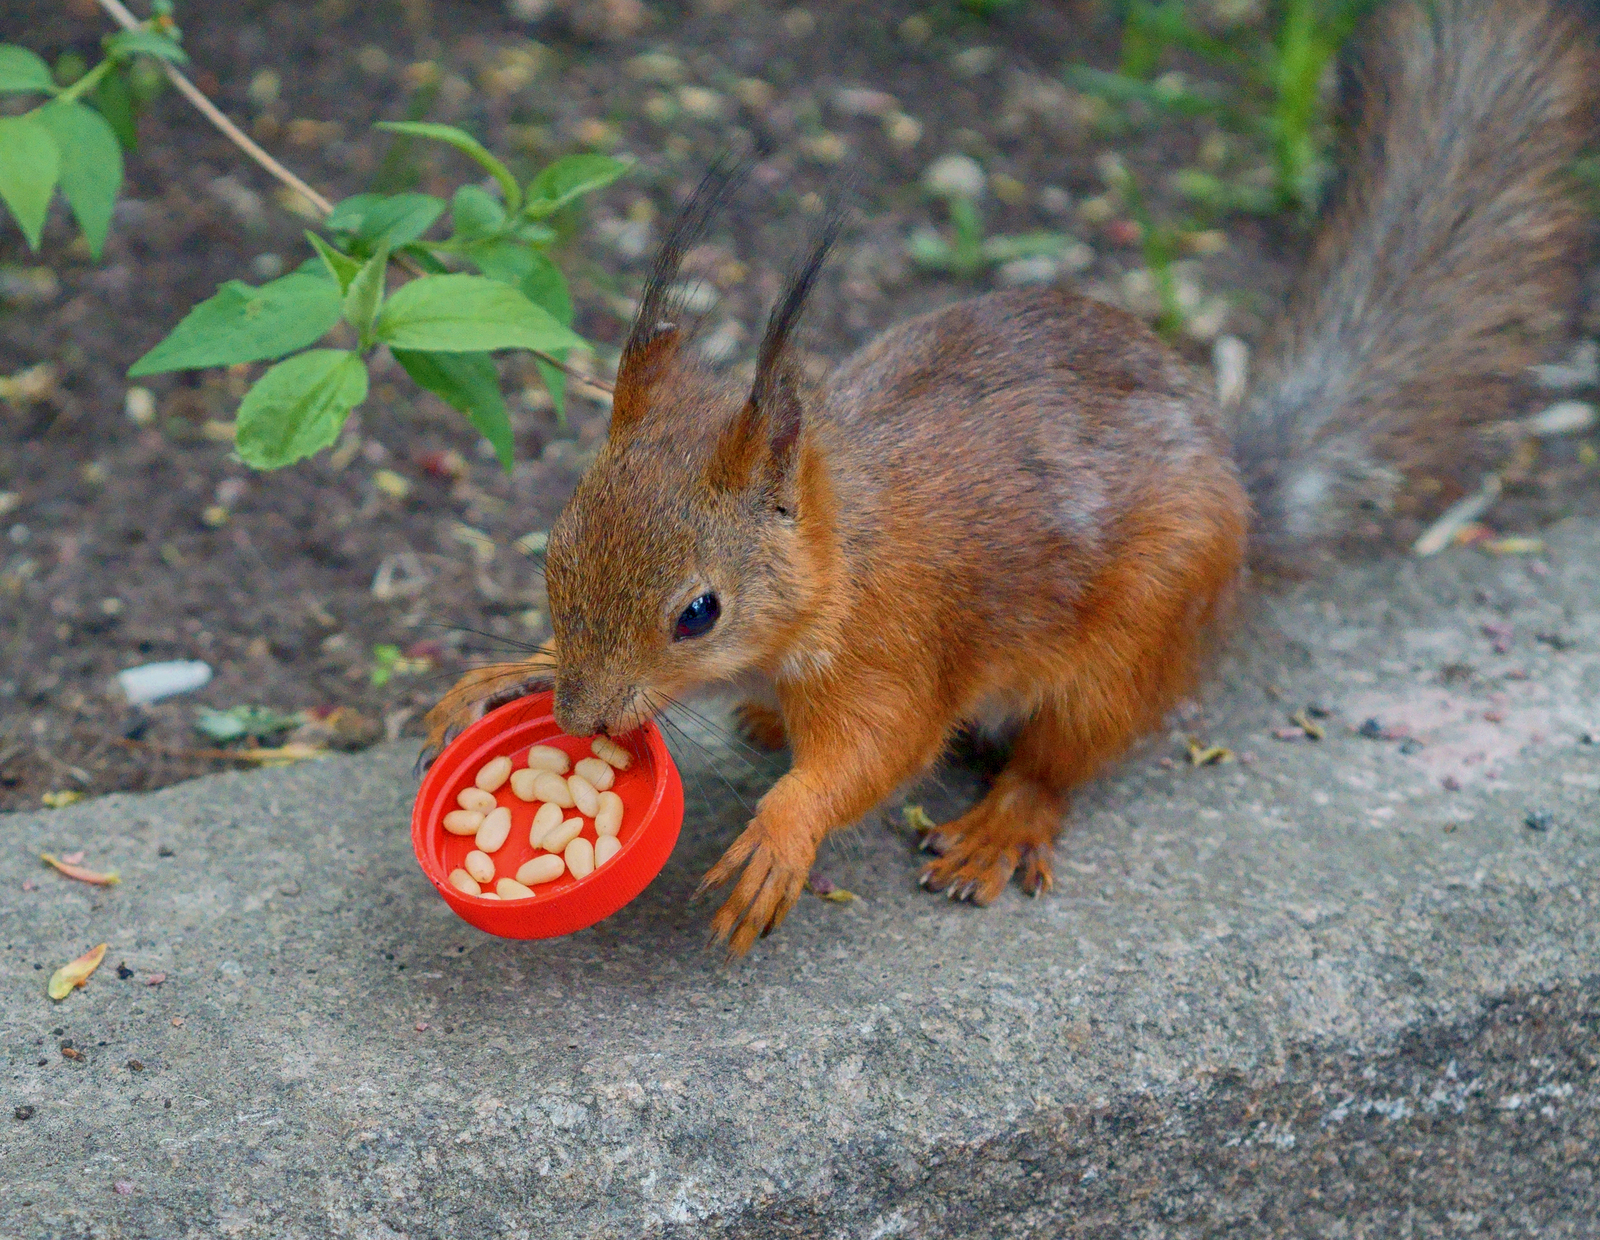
{"points": [[1208, 755], [917, 819], [1309, 726], [69, 977], [838, 895], [81, 874]]}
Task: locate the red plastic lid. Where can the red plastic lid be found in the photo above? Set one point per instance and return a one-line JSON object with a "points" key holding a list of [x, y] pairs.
{"points": [[652, 813]]}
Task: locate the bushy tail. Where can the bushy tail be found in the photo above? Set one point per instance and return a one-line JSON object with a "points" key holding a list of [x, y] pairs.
{"points": [[1454, 248]]}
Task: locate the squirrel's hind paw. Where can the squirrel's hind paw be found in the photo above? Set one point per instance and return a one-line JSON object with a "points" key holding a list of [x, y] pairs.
{"points": [[980, 851]]}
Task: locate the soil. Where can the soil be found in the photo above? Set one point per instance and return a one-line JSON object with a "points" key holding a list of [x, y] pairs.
{"points": [[129, 540]]}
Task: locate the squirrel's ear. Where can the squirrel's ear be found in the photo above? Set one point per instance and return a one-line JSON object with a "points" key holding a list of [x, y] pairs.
{"points": [[762, 443], [654, 342]]}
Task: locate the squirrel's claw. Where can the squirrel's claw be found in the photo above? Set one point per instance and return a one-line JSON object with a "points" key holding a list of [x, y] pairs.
{"points": [[775, 867]]}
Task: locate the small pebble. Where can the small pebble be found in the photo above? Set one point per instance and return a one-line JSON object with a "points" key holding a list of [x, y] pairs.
{"points": [[1539, 820]]}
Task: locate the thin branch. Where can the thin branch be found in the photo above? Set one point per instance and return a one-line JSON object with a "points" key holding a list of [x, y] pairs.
{"points": [[212, 113], [250, 147]]}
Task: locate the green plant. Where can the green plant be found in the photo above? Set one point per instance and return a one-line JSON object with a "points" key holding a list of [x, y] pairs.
{"points": [[958, 181], [489, 285], [1280, 68]]}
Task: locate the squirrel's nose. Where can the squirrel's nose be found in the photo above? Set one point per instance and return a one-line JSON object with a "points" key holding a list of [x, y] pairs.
{"points": [[576, 716]]}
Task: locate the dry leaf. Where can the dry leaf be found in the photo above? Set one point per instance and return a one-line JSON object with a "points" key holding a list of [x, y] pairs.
{"points": [[1208, 755], [81, 874], [1307, 725], [69, 977], [917, 819], [838, 895]]}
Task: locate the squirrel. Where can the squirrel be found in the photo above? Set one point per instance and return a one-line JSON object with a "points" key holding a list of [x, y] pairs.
{"points": [[1025, 510]]}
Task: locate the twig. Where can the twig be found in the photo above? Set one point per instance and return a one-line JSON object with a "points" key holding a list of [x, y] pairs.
{"points": [[288, 753], [250, 147], [212, 113]]}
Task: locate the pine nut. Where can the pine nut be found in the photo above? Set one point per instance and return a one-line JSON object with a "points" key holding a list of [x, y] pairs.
{"points": [[580, 857], [493, 773], [545, 821], [522, 784], [606, 749], [465, 883], [548, 786], [463, 821], [511, 889], [476, 799], [554, 841], [605, 848], [584, 795], [548, 758], [541, 869], [496, 826], [488, 895], [608, 816], [596, 772], [479, 866]]}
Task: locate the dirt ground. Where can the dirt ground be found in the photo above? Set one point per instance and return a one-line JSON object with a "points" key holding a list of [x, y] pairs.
{"points": [[130, 535]]}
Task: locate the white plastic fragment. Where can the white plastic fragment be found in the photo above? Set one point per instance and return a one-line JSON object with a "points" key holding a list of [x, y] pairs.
{"points": [[1565, 417], [150, 682]]}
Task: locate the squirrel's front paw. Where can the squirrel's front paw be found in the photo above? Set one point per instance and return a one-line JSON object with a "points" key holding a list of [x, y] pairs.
{"points": [[776, 864], [478, 692]]}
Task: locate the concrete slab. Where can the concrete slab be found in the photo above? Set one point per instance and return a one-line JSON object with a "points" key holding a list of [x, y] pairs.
{"points": [[1314, 993]]}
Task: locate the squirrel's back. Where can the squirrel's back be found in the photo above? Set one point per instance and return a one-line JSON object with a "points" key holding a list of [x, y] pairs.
{"points": [[1452, 251]]}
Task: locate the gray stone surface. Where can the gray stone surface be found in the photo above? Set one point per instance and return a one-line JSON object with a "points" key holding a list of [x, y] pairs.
{"points": [[1311, 994]]}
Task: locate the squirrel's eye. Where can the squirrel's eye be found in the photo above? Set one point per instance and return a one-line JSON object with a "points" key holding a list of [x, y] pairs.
{"points": [[698, 617]]}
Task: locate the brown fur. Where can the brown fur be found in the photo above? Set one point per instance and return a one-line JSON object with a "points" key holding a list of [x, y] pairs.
{"points": [[1021, 506]]}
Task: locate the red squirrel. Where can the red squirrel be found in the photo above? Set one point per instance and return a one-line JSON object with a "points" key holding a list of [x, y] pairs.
{"points": [[1025, 509]]}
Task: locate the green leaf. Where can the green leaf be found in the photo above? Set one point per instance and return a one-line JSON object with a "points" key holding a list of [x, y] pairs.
{"points": [[145, 43], [299, 406], [468, 146], [568, 179], [260, 722], [91, 166], [545, 286], [470, 383], [468, 314], [243, 324], [29, 165], [22, 71], [501, 258], [394, 220], [338, 264], [114, 100], [365, 295], [475, 212]]}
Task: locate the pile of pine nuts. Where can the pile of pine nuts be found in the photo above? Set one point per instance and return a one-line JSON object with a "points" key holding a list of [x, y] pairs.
{"points": [[555, 834]]}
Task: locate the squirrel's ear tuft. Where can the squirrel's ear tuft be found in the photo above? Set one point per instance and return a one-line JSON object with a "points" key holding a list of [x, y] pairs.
{"points": [[761, 443], [654, 342]]}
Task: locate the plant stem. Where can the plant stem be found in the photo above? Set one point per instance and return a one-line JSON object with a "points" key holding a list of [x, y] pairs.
{"points": [[245, 143], [84, 84], [212, 113]]}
